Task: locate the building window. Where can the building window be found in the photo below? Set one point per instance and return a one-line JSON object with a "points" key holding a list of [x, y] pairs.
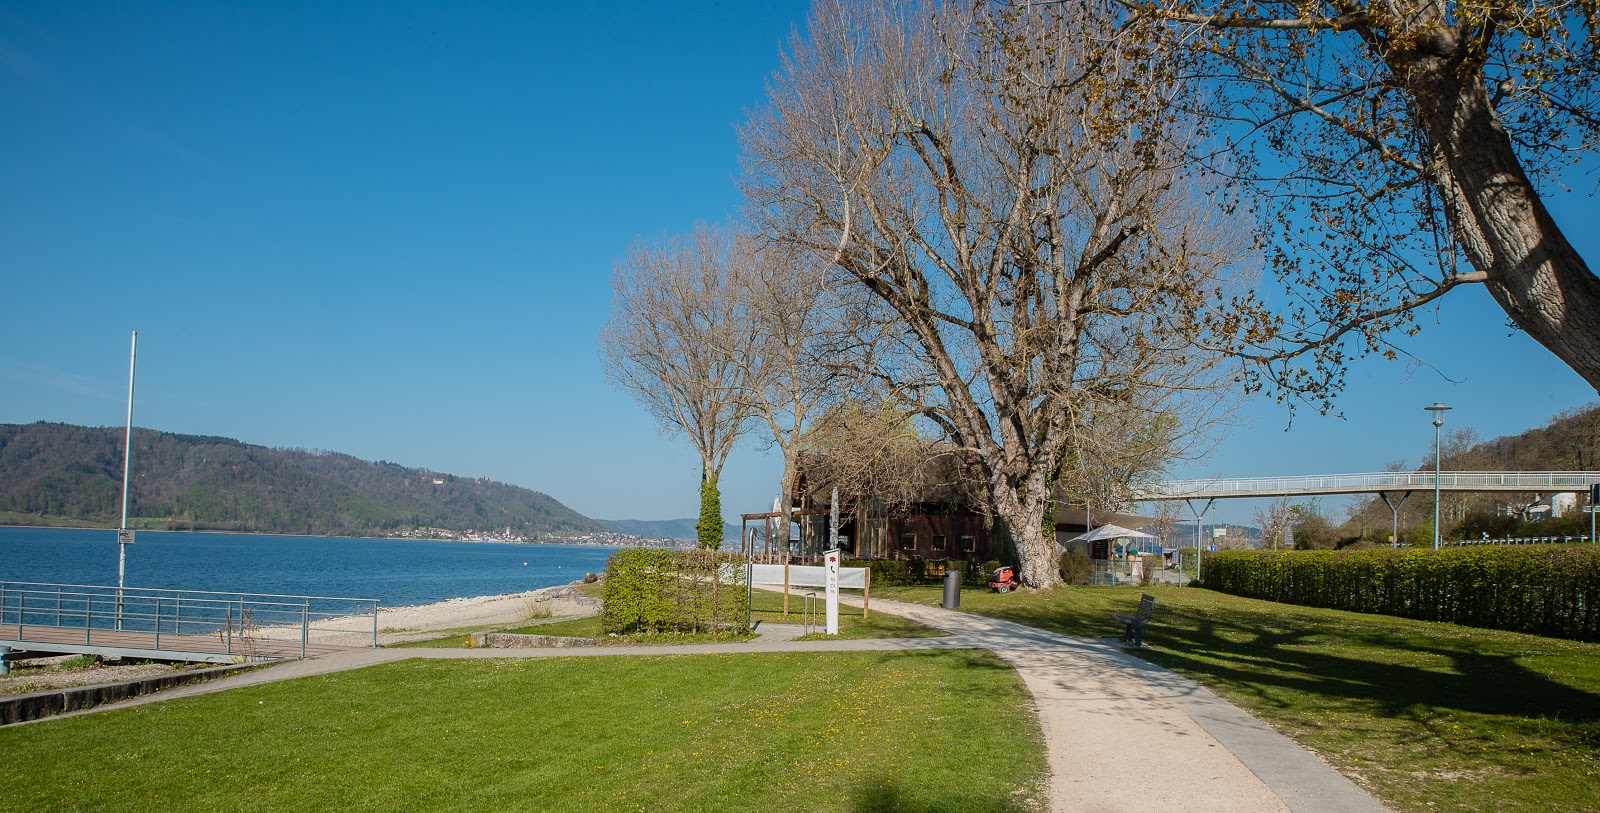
{"points": [[938, 542], [969, 544], [908, 541]]}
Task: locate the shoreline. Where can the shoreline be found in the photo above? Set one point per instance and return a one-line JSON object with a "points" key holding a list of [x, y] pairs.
{"points": [[311, 536], [416, 622]]}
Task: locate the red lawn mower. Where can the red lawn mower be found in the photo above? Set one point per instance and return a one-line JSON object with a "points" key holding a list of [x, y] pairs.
{"points": [[1004, 580]]}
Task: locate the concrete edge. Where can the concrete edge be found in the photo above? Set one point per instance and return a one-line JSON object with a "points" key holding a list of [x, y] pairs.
{"points": [[512, 640], [23, 708], [1303, 780]]}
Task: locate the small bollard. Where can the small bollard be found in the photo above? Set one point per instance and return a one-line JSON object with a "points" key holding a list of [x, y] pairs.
{"points": [[952, 589], [5, 668]]}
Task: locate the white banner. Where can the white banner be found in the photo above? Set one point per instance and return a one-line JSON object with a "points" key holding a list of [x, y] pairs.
{"points": [[808, 576]]}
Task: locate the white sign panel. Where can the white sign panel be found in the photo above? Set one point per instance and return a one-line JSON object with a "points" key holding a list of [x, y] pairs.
{"points": [[125, 536], [850, 578], [831, 559]]}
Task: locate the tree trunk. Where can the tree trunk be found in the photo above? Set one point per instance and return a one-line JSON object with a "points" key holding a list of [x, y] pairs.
{"points": [[786, 503], [1497, 215], [1022, 520]]}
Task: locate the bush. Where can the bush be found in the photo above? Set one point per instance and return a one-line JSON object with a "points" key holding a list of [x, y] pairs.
{"points": [[1074, 567], [665, 591], [1549, 590], [1148, 563]]}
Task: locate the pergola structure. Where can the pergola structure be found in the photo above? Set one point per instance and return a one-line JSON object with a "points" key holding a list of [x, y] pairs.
{"points": [[768, 516]]}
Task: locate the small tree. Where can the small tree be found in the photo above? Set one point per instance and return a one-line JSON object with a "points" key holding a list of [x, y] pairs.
{"points": [[709, 529], [1312, 531], [677, 323], [1273, 520]]}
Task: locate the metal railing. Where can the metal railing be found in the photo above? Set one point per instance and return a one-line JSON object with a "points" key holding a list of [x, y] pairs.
{"points": [[1527, 481], [237, 623], [1522, 540]]}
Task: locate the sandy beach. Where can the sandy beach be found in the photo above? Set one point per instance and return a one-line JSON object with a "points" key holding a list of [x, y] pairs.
{"points": [[398, 625]]}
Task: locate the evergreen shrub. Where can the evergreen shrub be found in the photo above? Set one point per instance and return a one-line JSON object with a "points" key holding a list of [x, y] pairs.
{"points": [[1551, 590], [668, 591], [1075, 567]]}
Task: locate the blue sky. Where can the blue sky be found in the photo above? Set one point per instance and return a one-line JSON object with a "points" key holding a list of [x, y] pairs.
{"points": [[387, 230]]}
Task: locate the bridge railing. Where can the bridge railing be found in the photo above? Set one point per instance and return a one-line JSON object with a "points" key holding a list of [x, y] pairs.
{"points": [[1541, 481], [1521, 540], [237, 620]]}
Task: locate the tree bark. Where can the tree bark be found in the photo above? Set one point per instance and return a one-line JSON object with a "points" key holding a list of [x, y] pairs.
{"points": [[1022, 518], [1500, 222]]}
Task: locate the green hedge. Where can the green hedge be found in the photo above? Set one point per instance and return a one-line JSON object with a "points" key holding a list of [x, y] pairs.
{"points": [[1549, 590], [909, 572], [668, 591]]}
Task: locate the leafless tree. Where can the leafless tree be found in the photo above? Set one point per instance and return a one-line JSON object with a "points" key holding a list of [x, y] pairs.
{"points": [[800, 323], [1166, 514], [678, 323], [1001, 178], [872, 452], [1401, 150], [1273, 520]]}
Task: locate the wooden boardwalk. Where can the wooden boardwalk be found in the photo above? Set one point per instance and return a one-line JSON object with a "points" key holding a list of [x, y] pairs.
{"points": [[217, 647]]}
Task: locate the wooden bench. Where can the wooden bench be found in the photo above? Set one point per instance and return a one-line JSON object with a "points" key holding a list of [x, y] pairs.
{"points": [[1134, 623]]}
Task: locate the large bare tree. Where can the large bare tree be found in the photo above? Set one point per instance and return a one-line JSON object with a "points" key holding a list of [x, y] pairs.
{"points": [[678, 331], [1001, 179], [799, 321], [1402, 150]]}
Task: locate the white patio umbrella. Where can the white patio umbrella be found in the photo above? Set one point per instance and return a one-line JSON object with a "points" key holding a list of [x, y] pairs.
{"points": [[1105, 532], [1110, 532]]}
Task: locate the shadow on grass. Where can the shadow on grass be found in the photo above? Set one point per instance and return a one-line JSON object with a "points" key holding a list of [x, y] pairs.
{"points": [[886, 795], [1402, 667]]}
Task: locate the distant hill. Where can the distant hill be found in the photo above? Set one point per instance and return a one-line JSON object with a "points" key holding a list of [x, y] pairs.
{"points": [[1569, 442], [664, 528], [53, 471]]}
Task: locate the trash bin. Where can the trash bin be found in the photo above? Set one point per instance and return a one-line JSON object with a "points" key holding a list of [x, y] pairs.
{"points": [[952, 589]]}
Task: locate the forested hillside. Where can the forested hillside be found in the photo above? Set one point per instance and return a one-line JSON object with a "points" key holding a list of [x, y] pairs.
{"points": [[56, 471]]}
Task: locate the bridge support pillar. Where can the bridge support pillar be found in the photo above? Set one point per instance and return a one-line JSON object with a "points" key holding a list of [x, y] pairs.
{"points": [[1394, 509]]}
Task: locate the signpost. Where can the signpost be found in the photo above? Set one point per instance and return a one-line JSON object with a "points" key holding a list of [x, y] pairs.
{"points": [[832, 588]]}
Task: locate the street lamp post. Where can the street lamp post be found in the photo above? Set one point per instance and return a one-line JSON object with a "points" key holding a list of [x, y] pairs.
{"points": [[1438, 409]]}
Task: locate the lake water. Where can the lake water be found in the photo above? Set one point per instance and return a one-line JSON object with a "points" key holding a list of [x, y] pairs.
{"points": [[397, 572]]}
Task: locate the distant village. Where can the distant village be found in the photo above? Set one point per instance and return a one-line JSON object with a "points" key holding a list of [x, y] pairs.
{"points": [[506, 536]]}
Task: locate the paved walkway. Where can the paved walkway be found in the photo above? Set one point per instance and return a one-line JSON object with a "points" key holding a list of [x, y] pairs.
{"points": [[1121, 734]]}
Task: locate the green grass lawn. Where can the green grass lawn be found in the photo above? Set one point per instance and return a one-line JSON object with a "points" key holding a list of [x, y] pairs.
{"points": [[765, 607], [946, 731], [1468, 719]]}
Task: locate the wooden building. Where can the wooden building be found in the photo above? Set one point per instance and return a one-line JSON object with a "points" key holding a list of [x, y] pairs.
{"points": [[934, 514]]}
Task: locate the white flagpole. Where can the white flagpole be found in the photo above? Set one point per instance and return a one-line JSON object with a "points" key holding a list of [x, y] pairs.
{"points": [[123, 537]]}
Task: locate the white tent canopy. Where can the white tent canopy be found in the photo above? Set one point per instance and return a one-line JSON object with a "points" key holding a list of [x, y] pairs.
{"points": [[1110, 532]]}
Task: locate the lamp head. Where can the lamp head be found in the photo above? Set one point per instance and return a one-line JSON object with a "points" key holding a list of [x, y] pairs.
{"points": [[1438, 409]]}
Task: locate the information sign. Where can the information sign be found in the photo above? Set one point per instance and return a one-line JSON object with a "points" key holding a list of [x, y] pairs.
{"points": [[125, 536], [831, 558]]}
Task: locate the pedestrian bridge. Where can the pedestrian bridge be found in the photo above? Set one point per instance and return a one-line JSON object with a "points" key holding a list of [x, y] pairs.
{"points": [[179, 625], [1527, 482]]}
